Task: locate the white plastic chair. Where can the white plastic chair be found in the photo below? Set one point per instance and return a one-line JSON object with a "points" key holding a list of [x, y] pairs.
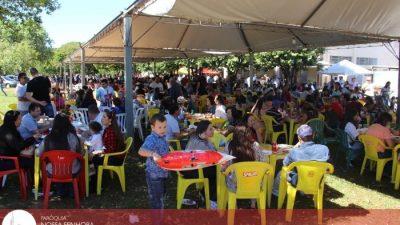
{"points": [[138, 122], [121, 118], [78, 116], [85, 113]]}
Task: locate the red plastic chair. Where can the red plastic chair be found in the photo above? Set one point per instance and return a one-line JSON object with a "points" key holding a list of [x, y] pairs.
{"points": [[21, 174], [61, 162]]}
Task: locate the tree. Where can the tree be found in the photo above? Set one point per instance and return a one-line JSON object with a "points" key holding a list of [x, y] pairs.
{"points": [[24, 10]]}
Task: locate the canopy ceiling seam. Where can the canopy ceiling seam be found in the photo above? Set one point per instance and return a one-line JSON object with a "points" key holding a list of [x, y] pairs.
{"points": [[145, 32], [313, 13], [298, 38], [183, 36], [244, 38]]}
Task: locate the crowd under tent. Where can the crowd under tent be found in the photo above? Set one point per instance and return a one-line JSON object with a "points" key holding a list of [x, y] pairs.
{"points": [[151, 30]]}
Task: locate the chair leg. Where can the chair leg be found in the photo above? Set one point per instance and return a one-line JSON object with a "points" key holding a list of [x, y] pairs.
{"points": [[363, 165], [207, 193], [231, 208], [76, 193], [282, 192], [291, 196], [22, 184], [46, 193], [121, 176], [99, 177], [394, 169], [397, 179], [320, 200], [180, 192], [379, 170]]}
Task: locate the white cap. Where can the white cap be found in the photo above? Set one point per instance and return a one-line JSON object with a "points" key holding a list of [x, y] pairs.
{"points": [[304, 131], [181, 99]]}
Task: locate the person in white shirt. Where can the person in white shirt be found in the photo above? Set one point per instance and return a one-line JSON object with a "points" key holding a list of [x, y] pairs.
{"points": [[220, 109], [173, 130], [352, 119], [353, 83], [104, 94], [157, 84], [23, 103], [95, 114], [341, 81], [96, 139]]}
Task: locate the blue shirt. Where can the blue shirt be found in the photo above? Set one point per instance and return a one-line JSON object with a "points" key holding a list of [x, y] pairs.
{"points": [[159, 145], [307, 151], [28, 126], [172, 126]]}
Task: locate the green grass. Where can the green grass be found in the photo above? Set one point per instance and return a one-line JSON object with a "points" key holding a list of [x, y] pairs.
{"points": [[346, 189], [6, 100]]}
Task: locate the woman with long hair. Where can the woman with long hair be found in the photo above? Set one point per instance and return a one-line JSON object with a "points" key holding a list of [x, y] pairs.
{"points": [[11, 142], [351, 121], [242, 144]]}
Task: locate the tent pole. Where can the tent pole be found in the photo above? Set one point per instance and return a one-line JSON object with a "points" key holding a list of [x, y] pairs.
{"points": [[251, 69], [83, 77], [64, 78], [128, 64], [61, 71], [70, 77], [398, 88], [154, 68]]}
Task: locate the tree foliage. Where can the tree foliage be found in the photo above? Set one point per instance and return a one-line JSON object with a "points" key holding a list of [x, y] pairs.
{"points": [[25, 10]]}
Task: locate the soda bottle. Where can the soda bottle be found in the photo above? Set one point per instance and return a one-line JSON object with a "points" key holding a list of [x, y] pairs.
{"points": [[274, 147]]}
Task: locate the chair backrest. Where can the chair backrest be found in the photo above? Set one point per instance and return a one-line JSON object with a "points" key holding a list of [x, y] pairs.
{"points": [[12, 106], [139, 116], [217, 139], [128, 145], [61, 162], [317, 126], [78, 116], [342, 137], [321, 116], [218, 122], [121, 119], [1, 118], [311, 175], [229, 137], [152, 111], [85, 114], [250, 177], [371, 144], [268, 121]]}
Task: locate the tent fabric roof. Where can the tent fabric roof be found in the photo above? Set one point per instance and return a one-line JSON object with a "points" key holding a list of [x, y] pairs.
{"points": [[194, 28], [347, 68]]}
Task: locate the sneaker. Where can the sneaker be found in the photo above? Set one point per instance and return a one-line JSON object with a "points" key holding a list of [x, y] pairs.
{"points": [[213, 205], [189, 202]]}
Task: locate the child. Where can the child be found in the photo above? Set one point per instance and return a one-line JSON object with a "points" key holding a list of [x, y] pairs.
{"points": [[95, 140], [154, 147]]}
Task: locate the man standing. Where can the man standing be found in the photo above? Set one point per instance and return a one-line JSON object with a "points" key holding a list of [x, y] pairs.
{"points": [[23, 102], [38, 91], [104, 94], [157, 84]]}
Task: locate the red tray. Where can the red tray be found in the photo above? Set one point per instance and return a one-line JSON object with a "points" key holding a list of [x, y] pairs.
{"points": [[179, 160]]}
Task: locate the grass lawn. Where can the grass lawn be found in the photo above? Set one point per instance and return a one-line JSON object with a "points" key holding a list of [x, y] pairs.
{"points": [[345, 189], [6, 100]]}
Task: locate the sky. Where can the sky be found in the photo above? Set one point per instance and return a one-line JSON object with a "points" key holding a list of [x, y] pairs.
{"points": [[79, 20]]}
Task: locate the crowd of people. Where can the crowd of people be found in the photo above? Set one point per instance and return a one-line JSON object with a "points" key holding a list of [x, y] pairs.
{"points": [[343, 104]]}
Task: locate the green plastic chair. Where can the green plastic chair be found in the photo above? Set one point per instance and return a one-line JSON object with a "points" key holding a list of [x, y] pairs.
{"points": [[343, 141], [317, 126]]}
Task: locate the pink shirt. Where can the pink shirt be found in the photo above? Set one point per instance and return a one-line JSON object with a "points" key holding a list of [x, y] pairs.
{"points": [[380, 132]]}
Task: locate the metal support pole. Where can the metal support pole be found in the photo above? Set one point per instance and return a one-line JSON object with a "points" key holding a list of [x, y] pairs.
{"points": [[83, 77], [154, 68], [61, 71], [251, 69], [64, 76], [128, 74], [70, 77], [398, 89]]}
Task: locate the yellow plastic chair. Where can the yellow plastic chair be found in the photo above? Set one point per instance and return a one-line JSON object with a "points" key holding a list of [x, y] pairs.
{"points": [[251, 180], [176, 142], [217, 139], [1, 118], [321, 116], [310, 180], [119, 170], [184, 183], [397, 179], [229, 137], [202, 104], [218, 122], [270, 134], [151, 112], [371, 144], [12, 106], [395, 166]]}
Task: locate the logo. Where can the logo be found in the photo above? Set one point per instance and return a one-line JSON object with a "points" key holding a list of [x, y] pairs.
{"points": [[250, 174], [19, 217]]}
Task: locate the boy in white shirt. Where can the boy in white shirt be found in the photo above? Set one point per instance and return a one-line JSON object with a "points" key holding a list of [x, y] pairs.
{"points": [[96, 139]]}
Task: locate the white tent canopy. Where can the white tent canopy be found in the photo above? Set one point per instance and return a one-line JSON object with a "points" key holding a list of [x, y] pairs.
{"points": [[346, 67], [192, 28]]}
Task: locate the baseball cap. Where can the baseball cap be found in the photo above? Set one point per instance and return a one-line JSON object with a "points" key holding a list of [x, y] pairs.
{"points": [[304, 131]]}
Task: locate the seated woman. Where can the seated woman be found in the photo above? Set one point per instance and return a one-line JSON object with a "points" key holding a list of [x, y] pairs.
{"points": [[352, 119], [113, 140], [220, 108], [255, 122], [11, 142], [62, 137], [199, 141], [210, 105], [380, 130]]}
